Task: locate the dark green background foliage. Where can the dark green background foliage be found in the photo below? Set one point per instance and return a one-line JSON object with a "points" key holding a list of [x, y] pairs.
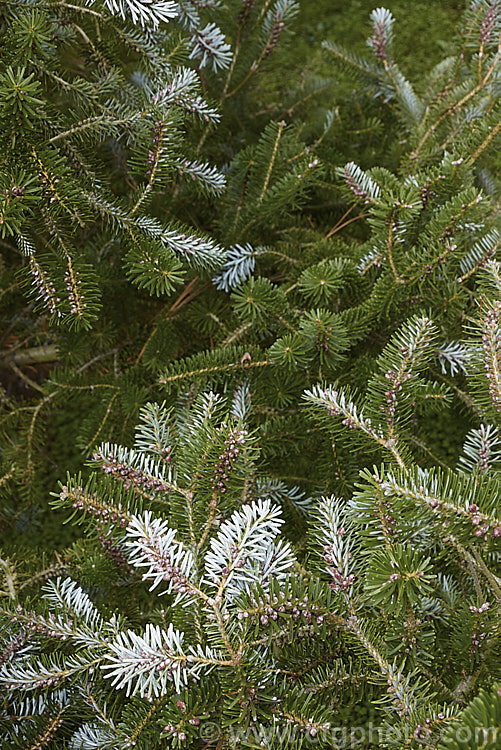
{"points": [[311, 235]]}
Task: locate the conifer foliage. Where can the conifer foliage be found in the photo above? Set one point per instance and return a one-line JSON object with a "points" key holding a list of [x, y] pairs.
{"points": [[120, 242], [202, 617], [260, 324], [70, 109]]}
